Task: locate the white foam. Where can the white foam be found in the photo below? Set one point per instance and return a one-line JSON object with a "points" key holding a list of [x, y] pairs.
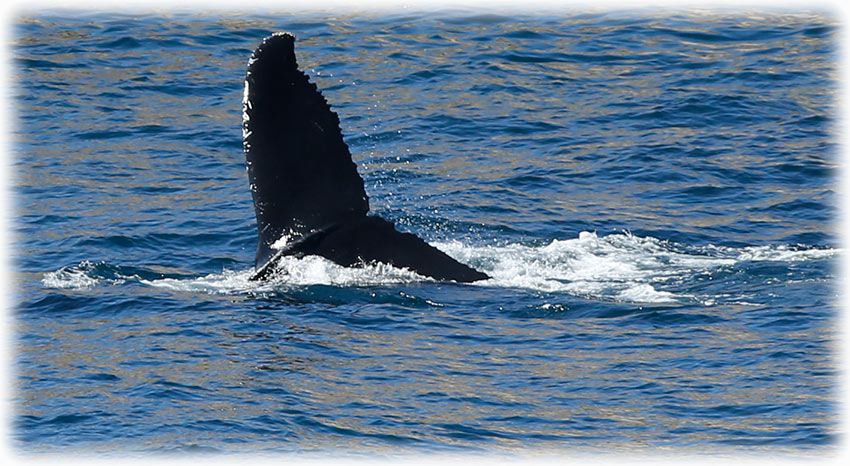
{"points": [[280, 243], [80, 277], [226, 282], [293, 272], [645, 293], [618, 267], [68, 279], [783, 254], [315, 270]]}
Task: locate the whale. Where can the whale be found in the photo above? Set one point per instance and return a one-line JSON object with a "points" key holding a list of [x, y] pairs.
{"points": [[308, 197]]}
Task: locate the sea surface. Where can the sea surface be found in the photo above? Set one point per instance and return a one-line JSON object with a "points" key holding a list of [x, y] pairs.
{"points": [[654, 193]]}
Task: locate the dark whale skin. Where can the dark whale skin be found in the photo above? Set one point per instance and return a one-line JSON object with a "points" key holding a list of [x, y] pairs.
{"points": [[305, 185]]}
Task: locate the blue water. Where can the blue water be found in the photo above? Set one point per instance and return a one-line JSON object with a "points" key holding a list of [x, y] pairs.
{"points": [[653, 193]]}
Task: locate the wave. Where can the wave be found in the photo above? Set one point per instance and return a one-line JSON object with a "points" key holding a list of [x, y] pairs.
{"points": [[620, 268], [85, 275]]}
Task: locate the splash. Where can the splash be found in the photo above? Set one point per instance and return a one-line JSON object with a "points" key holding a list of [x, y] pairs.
{"points": [[85, 275], [619, 267], [294, 272]]}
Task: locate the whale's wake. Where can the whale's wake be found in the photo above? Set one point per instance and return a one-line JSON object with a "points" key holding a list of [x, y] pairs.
{"points": [[618, 268]]}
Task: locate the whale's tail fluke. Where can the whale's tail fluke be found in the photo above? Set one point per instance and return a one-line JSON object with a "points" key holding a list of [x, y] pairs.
{"points": [[304, 184], [301, 174]]}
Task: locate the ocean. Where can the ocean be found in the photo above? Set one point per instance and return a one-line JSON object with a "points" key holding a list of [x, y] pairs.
{"points": [[653, 192]]}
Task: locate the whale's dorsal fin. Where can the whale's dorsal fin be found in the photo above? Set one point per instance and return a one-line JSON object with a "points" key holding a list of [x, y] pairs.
{"points": [[304, 184], [301, 174]]}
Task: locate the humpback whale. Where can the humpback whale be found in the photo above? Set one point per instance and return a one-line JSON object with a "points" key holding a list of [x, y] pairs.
{"points": [[306, 189]]}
